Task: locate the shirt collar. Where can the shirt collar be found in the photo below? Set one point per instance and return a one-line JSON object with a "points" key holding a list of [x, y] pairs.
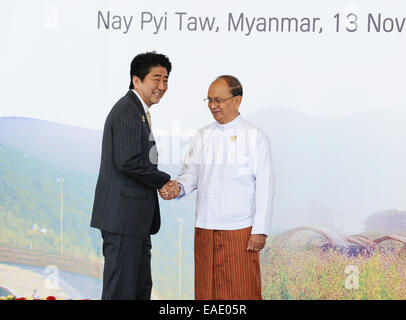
{"points": [[146, 109], [230, 124]]}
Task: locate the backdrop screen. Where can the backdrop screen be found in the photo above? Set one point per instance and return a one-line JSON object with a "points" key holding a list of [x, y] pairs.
{"points": [[322, 79]]}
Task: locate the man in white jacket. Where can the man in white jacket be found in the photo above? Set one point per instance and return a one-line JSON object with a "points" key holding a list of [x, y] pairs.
{"points": [[230, 165]]}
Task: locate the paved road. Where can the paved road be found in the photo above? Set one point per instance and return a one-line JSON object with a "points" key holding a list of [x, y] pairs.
{"points": [[23, 280]]}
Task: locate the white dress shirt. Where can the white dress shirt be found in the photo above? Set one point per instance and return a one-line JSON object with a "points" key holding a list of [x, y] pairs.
{"points": [[231, 167], [146, 109]]}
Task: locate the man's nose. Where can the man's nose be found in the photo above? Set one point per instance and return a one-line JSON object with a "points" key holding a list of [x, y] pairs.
{"points": [[162, 85], [212, 106]]}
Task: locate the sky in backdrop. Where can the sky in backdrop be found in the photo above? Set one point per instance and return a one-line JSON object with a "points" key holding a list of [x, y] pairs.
{"points": [[60, 63]]}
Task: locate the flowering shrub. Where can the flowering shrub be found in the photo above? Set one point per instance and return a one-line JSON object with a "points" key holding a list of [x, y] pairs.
{"points": [[313, 274]]}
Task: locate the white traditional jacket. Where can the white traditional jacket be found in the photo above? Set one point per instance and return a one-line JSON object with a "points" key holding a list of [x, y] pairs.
{"points": [[231, 167]]}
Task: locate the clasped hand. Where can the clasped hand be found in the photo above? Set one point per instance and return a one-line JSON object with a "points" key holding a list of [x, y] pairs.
{"points": [[170, 190]]}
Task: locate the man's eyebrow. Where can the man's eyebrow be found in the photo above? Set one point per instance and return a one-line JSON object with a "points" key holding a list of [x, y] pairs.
{"points": [[159, 75]]}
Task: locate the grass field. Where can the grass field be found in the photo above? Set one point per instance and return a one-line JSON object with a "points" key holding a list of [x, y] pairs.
{"points": [[297, 273]]}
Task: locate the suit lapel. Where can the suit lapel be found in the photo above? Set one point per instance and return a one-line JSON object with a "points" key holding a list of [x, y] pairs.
{"points": [[140, 110]]}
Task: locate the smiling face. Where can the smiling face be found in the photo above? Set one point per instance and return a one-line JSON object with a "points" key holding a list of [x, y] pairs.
{"points": [[154, 85], [227, 110]]}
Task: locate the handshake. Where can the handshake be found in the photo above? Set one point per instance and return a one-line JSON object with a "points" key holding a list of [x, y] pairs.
{"points": [[170, 190]]}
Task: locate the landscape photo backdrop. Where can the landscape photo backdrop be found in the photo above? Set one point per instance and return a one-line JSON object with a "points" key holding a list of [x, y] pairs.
{"points": [[323, 80]]}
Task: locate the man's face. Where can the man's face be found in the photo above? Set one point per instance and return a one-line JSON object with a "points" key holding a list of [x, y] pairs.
{"points": [[154, 85], [222, 110]]}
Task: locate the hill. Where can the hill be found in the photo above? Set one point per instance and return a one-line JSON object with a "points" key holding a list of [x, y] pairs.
{"points": [[333, 169], [30, 194], [65, 146]]}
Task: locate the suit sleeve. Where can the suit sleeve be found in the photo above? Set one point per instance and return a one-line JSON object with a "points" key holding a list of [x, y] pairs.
{"points": [[129, 157]]}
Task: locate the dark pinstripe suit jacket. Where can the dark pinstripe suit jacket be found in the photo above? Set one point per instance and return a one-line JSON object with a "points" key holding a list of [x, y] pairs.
{"points": [[126, 200]]}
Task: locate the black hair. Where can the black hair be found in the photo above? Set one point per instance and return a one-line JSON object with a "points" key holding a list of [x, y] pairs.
{"points": [[143, 62], [233, 83]]}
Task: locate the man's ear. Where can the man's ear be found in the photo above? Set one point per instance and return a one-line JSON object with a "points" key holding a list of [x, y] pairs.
{"points": [[238, 102], [136, 81]]}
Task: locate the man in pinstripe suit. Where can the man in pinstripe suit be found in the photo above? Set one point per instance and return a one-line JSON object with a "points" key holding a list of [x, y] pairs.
{"points": [[126, 208]]}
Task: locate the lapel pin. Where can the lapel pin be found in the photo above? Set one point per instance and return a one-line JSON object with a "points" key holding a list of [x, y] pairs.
{"points": [[143, 118], [233, 138]]}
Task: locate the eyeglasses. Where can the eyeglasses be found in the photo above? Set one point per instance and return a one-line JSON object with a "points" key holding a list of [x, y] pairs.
{"points": [[215, 101]]}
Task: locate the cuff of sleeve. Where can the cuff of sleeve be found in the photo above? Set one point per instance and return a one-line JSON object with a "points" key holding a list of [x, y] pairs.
{"points": [[259, 230], [182, 191]]}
